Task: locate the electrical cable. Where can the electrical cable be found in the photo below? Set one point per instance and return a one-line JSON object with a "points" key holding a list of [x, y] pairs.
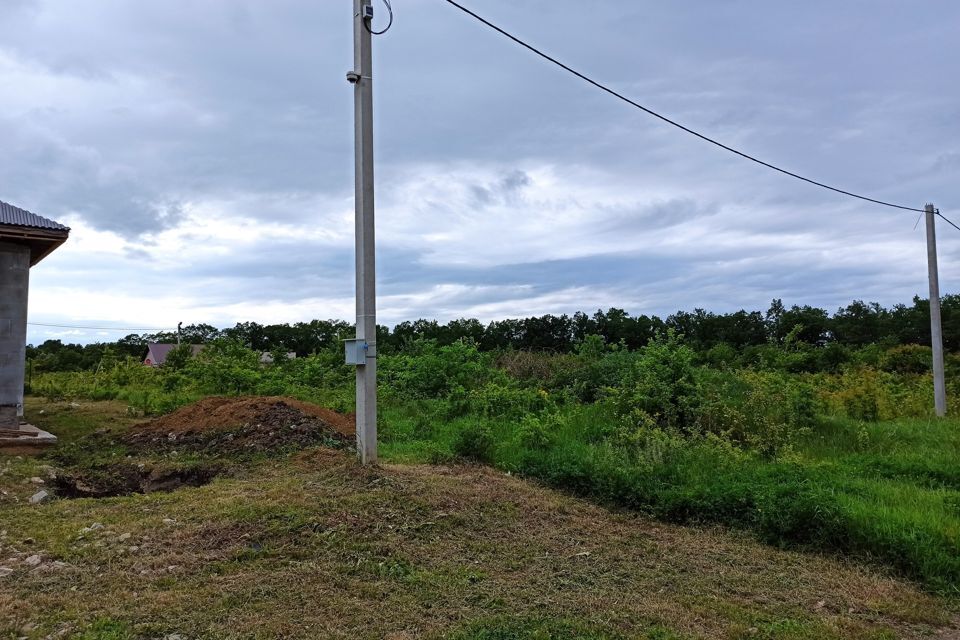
{"points": [[70, 326], [947, 220], [386, 28], [673, 122]]}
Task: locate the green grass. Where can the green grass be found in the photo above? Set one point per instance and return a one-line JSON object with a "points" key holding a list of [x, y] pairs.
{"points": [[917, 451], [763, 450], [312, 545], [540, 629], [106, 629], [888, 493]]}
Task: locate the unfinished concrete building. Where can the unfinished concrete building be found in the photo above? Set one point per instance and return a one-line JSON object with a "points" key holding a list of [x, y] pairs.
{"points": [[25, 240]]}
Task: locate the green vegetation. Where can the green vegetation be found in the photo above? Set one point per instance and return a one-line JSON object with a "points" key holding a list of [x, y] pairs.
{"points": [[803, 338], [309, 544], [508, 629], [842, 459]]}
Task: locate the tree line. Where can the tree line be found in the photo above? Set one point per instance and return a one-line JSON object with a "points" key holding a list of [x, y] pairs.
{"points": [[856, 325]]}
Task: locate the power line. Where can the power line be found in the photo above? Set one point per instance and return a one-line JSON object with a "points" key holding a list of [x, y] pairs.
{"points": [[947, 220], [389, 24], [673, 122], [70, 326]]}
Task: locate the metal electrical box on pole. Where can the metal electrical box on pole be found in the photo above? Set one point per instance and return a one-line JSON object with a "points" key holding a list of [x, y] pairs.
{"points": [[936, 330], [363, 350]]}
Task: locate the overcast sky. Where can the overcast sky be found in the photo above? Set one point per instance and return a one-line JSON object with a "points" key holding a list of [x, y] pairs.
{"points": [[202, 152]]}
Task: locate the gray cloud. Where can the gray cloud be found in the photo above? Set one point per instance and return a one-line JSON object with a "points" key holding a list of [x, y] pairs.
{"points": [[499, 176]]}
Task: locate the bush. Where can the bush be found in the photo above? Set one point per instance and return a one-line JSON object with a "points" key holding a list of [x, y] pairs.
{"points": [[765, 412], [536, 433], [598, 372], [762, 411], [499, 401], [429, 371], [660, 388], [539, 370], [832, 356], [860, 403], [225, 367], [908, 358], [720, 356], [178, 357], [474, 442], [866, 394]]}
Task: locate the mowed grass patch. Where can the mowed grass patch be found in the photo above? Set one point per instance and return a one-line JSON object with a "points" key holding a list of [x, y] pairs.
{"points": [[891, 523], [74, 420], [885, 493], [314, 545]]}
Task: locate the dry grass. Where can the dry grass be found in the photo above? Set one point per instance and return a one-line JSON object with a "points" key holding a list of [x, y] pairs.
{"points": [[316, 547]]}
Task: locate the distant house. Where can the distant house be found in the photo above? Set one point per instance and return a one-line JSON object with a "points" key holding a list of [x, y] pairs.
{"points": [[267, 358], [157, 353]]}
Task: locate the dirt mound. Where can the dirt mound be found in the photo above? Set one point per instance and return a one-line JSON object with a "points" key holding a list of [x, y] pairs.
{"points": [[219, 412], [245, 423]]}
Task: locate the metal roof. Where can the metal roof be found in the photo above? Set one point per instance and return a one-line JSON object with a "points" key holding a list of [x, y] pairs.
{"points": [[15, 216], [157, 352]]}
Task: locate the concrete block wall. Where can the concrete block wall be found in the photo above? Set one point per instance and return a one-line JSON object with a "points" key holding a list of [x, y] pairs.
{"points": [[14, 286]]}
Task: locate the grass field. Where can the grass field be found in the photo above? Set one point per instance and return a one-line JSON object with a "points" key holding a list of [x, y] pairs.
{"points": [[311, 545], [887, 493]]}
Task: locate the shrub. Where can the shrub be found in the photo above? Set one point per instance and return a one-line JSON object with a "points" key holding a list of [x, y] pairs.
{"points": [[538, 433], [474, 442], [908, 358], [660, 388], [764, 412], [500, 401], [832, 356], [438, 455], [539, 370], [866, 394], [178, 357], [860, 403], [720, 355], [596, 373], [429, 371]]}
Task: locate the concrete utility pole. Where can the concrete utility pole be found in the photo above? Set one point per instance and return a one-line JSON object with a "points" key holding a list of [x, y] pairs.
{"points": [[936, 332], [365, 346]]}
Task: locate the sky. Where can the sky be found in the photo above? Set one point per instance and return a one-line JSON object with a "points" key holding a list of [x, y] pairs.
{"points": [[202, 153]]}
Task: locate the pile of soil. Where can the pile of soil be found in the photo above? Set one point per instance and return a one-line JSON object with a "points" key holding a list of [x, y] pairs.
{"points": [[223, 425]]}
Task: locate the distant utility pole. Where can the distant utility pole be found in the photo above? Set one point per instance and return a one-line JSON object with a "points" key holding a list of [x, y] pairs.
{"points": [[363, 351], [936, 332]]}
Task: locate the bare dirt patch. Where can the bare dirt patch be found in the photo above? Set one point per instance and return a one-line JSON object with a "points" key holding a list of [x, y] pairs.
{"points": [[244, 424], [126, 479]]}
